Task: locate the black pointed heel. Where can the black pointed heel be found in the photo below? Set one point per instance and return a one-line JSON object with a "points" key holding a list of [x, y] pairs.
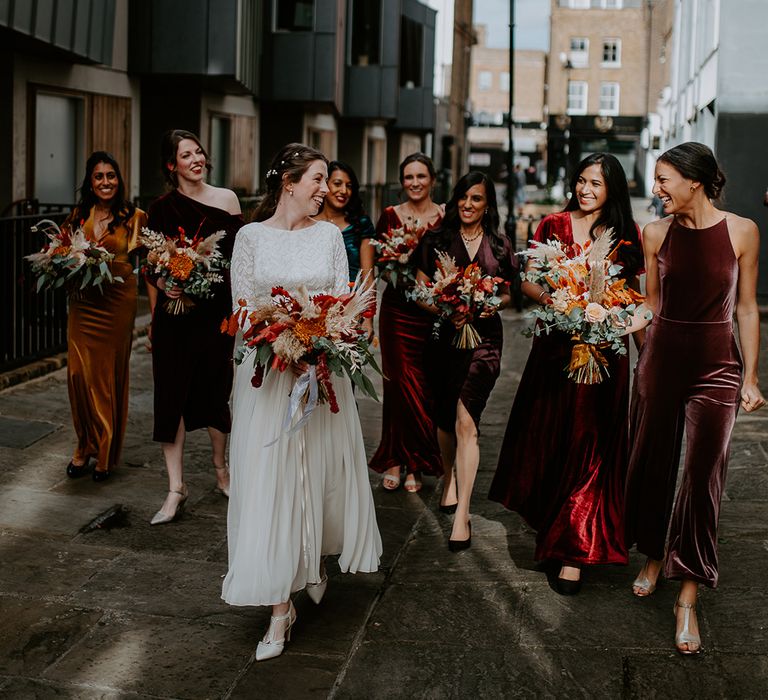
{"points": [[448, 510], [458, 545]]}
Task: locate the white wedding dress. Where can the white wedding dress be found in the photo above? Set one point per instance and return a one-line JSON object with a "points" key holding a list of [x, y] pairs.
{"points": [[307, 494]]}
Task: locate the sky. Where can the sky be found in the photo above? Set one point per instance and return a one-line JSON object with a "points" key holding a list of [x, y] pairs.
{"points": [[531, 23]]}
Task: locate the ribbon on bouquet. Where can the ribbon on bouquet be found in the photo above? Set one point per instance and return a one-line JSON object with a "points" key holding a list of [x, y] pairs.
{"points": [[306, 385]]}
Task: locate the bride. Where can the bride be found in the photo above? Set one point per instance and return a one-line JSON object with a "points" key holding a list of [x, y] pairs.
{"points": [[293, 498]]}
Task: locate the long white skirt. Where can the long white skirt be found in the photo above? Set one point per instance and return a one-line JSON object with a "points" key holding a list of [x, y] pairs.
{"points": [[305, 496]]}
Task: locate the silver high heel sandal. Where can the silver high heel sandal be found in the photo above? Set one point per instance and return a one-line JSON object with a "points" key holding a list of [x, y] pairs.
{"points": [[686, 637], [269, 647], [161, 518], [643, 583], [224, 491]]}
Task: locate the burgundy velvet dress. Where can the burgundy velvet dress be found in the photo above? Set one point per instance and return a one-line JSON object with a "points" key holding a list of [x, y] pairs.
{"points": [[563, 461], [191, 359], [465, 375], [408, 434], [688, 378]]}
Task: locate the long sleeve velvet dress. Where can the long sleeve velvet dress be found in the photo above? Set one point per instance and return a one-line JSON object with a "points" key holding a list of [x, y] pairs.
{"points": [[191, 358], [563, 460]]}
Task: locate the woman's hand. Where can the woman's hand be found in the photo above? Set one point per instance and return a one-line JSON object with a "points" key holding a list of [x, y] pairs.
{"points": [[298, 368], [173, 293], [751, 398], [459, 319], [368, 328]]}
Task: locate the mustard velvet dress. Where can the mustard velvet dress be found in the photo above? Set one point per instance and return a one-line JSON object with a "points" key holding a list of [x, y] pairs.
{"points": [[99, 334]]}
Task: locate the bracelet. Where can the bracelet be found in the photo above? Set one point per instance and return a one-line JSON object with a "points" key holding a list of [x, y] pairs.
{"points": [[542, 294]]}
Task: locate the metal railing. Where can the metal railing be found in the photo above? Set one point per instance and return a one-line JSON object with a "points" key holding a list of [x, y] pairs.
{"points": [[32, 325]]}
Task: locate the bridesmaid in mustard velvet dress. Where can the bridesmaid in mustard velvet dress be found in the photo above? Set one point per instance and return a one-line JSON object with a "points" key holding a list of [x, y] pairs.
{"points": [[564, 456], [100, 324], [408, 435]]}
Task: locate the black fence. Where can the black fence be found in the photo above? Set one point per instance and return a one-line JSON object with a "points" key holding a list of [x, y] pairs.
{"points": [[32, 325]]}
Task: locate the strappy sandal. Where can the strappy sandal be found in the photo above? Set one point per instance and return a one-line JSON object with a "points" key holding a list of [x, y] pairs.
{"points": [[390, 482], [642, 586], [686, 636], [411, 485]]}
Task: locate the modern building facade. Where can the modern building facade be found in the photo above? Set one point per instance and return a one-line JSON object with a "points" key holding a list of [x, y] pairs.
{"points": [[597, 78]]}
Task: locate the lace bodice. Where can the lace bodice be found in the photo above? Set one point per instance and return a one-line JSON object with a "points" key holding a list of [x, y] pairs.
{"points": [[266, 257]]}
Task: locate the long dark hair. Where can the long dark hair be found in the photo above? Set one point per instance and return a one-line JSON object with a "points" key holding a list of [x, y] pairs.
{"points": [[289, 165], [696, 162], [451, 222], [121, 209], [354, 211], [616, 212], [169, 147]]}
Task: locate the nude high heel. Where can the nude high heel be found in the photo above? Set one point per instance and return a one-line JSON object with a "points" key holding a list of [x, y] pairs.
{"points": [[161, 518], [269, 647], [685, 636]]}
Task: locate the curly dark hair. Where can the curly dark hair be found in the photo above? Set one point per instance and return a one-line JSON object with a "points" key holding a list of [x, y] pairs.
{"points": [[120, 208], [451, 222], [288, 165], [616, 212]]}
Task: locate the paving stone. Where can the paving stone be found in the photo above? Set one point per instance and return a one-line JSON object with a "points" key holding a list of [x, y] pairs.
{"points": [[19, 433], [449, 669], [32, 637], [162, 656], [737, 619], [36, 689], [37, 567], [748, 483]]}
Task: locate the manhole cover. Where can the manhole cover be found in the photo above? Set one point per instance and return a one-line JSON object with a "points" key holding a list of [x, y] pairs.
{"points": [[18, 433]]}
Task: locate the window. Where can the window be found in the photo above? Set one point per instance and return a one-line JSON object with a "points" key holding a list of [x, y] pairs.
{"points": [[611, 4], [294, 15], [609, 99], [504, 81], [579, 4], [221, 137], [579, 55], [484, 80], [366, 28], [411, 53], [577, 97], [612, 52]]}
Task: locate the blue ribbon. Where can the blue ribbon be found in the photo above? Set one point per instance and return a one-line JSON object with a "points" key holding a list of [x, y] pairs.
{"points": [[306, 381]]}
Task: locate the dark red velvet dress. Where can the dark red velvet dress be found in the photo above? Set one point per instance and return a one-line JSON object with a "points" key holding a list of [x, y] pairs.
{"points": [[465, 375], [564, 457], [191, 359], [688, 378], [408, 434]]}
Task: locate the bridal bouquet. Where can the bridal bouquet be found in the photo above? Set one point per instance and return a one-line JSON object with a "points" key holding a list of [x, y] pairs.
{"points": [[394, 248], [589, 301], [70, 259], [192, 264], [320, 330], [459, 289]]}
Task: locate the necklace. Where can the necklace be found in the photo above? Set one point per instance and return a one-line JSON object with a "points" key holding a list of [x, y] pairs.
{"points": [[336, 219], [470, 238]]}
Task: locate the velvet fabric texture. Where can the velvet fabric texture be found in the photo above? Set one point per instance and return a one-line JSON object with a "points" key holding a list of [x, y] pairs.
{"points": [[688, 379], [465, 375], [191, 358], [99, 332], [563, 460], [408, 433]]}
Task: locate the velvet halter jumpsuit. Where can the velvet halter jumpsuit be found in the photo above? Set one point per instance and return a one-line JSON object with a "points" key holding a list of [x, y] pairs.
{"points": [[688, 378]]}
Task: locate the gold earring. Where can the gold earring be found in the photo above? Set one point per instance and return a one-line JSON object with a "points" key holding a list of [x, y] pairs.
{"points": [[693, 188]]}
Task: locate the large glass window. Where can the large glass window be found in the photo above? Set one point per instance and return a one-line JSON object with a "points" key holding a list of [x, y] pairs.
{"points": [[577, 97], [294, 15], [221, 138], [411, 53], [366, 31]]}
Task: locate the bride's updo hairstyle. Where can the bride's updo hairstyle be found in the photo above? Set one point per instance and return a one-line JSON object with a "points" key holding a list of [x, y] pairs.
{"points": [[695, 161], [287, 167]]}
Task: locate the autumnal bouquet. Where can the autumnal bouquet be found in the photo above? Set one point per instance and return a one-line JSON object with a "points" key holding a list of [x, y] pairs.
{"points": [[192, 264], [589, 301], [70, 259], [321, 330], [459, 290], [394, 248]]}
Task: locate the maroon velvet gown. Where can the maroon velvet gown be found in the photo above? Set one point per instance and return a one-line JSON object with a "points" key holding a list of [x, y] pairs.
{"points": [[688, 378], [563, 461], [191, 359], [465, 375], [408, 434]]}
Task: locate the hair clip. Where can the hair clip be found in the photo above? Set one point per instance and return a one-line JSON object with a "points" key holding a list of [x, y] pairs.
{"points": [[271, 172]]}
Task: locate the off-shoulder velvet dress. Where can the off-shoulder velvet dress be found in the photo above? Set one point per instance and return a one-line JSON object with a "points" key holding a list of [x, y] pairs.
{"points": [[191, 359], [99, 333], [563, 460], [408, 435], [465, 375]]}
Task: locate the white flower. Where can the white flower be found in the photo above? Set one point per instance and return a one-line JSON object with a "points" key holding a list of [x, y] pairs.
{"points": [[560, 300], [595, 313]]}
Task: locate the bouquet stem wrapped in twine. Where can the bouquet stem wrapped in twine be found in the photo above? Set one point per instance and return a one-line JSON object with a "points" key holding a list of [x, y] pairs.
{"points": [[467, 338], [588, 365], [181, 305]]}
